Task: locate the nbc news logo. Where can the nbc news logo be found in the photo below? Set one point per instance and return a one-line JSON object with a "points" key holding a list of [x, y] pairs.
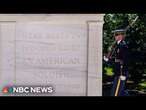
{"points": [[27, 89]]}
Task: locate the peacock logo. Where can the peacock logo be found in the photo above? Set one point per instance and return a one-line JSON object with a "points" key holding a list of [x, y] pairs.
{"points": [[7, 89]]}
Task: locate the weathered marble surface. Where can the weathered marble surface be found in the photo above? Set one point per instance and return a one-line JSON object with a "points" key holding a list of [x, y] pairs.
{"points": [[62, 50]]}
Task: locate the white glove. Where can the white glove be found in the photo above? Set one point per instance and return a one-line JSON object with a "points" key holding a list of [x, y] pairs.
{"points": [[105, 58], [123, 77]]}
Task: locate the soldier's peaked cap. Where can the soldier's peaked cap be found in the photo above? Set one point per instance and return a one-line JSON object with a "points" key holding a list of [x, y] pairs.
{"points": [[119, 31]]}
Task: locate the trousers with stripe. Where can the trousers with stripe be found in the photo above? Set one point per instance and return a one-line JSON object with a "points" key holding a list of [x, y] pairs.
{"points": [[119, 86]]}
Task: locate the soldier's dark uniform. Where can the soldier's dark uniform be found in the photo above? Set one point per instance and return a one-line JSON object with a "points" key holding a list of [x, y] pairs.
{"points": [[120, 57]]}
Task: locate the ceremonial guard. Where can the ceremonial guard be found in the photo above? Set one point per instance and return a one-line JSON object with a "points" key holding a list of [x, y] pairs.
{"points": [[119, 56]]}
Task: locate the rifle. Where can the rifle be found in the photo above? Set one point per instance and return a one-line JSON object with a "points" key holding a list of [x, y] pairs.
{"points": [[130, 25], [110, 54]]}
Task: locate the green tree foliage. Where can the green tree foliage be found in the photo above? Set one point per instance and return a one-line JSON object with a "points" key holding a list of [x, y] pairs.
{"points": [[136, 39]]}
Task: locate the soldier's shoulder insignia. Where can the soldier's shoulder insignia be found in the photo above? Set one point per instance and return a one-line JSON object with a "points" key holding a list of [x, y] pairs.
{"points": [[124, 43]]}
